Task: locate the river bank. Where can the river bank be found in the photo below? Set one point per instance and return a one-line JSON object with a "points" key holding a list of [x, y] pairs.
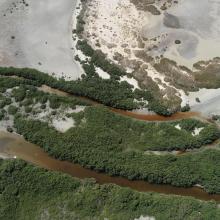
{"points": [[137, 114], [59, 196], [140, 42], [15, 146], [102, 134]]}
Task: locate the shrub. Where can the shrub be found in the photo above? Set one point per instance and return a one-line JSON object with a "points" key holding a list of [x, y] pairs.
{"points": [[12, 110]]}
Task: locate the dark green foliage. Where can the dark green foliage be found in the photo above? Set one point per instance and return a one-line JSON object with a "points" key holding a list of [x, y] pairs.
{"points": [[9, 129], [4, 101], [78, 117], [99, 59], [114, 144], [6, 82], [54, 102], [110, 92], [111, 143], [31, 77], [215, 117], [159, 108], [89, 70], [28, 192], [2, 114], [19, 94], [207, 136], [32, 95], [53, 113], [80, 25], [185, 108], [191, 124], [85, 48], [43, 106], [12, 110], [28, 102], [28, 109]]}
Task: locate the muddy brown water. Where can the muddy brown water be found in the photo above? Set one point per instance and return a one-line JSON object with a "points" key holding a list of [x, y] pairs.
{"points": [[144, 117], [154, 117], [15, 146]]}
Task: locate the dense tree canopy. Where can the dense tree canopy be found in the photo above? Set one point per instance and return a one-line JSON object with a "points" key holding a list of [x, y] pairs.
{"points": [[99, 143], [28, 192]]}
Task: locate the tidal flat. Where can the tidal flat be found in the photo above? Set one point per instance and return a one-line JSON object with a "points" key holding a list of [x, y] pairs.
{"points": [[195, 24], [37, 34]]}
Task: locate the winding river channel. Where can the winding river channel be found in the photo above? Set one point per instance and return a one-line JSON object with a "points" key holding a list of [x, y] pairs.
{"points": [[14, 146], [132, 114]]}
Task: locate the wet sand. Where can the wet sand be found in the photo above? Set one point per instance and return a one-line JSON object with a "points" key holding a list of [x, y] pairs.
{"points": [[38, 36], [195, 23], [209, 102]]}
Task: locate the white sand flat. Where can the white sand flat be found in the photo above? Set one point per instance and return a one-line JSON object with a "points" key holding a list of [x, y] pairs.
{"points": [[38, 36]]}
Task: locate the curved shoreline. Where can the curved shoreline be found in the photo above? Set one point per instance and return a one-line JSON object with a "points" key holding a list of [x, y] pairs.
{"points": [[132, 114], [15, 146], [103, 29]]}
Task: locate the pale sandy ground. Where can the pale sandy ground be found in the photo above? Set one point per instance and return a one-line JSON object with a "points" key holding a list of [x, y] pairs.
{"points": [[5, 156], [209, 101], [60, 121], [42, 40], [194, 133], [131, 81], [42, 34], [102, 73], [5, 124], [197, 131], [145, 218], [64, 123], [117, 23], [114, 23]]}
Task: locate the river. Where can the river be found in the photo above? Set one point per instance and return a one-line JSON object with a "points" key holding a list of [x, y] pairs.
{"points": [[132, 114], [14, 145]]}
